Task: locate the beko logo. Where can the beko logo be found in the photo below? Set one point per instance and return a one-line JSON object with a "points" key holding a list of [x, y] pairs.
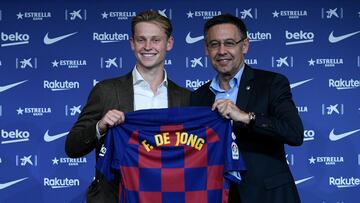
{"points": [[56, 183], [342, 84], [194, 84], [309, 135], [61, 85], [14, 136], [344, 182], [14, 39], [300, 37], [108, 38]]}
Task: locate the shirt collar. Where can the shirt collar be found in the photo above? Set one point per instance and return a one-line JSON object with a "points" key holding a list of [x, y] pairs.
{"points": [[137, 78], [234, 82]]}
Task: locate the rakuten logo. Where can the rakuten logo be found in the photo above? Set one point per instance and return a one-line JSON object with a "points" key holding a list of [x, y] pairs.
{"points": [[61, 85], [194, 84], [14, 39], [56, 183], [110, 37], [344, 182], [300, 37], [344, 84], [14, 136]]}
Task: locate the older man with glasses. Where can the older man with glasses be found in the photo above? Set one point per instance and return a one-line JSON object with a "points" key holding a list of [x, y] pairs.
{"points": [[262, 110]]}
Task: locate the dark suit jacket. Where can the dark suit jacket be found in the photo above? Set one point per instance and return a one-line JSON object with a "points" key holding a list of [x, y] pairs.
{"points": [[268, 178], [116, 93]]}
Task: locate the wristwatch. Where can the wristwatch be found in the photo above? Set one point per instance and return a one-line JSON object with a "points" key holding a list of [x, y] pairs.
{"points": [[252, 118]]}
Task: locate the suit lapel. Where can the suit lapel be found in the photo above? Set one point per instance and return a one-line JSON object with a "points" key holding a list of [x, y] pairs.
{"points": [[172, 95], [245, 88], [125, 92]]}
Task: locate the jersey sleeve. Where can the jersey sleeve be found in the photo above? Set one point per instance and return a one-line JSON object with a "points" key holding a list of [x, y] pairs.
{"points": [[234, 163], [108, 154]]}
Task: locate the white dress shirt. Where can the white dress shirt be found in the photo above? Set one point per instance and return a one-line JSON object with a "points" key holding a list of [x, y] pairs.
{"points": [[144, 98]]}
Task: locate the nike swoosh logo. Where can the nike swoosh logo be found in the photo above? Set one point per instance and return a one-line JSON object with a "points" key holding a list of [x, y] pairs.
{"points": [[8, 184], [6, 87], [191, 40], [49, 41], [300, 83], [334, 39], [50, 138], [303, 180], [336, 137]]}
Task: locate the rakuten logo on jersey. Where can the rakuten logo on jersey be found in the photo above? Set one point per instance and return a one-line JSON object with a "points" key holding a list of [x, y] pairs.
{"points": [[61, 85], [300, 37], [344, 182], [344, 84], [194, 84], [57, 183], [14, 136], [14, 39]]}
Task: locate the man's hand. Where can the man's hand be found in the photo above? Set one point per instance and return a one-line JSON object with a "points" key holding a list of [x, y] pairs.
{"points": [[110, 119], [229, 110]]}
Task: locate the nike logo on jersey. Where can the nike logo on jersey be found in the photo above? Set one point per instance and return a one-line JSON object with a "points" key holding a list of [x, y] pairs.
{"points": [[334, 39], [303, 180], [49, 41], [336, 137], [8, 184], [50, 138], [6, 87], [299, 83], [191, 40]]}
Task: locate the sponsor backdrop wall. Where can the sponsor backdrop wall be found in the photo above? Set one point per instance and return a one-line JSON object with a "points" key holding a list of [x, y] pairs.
{"points": [[53, 52]]}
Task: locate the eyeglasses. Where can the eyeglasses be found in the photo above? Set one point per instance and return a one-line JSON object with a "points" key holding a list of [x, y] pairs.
{"points": [[229, 43]]}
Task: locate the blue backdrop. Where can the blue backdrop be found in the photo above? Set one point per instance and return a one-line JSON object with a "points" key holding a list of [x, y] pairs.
{"points": [[53, 52]]}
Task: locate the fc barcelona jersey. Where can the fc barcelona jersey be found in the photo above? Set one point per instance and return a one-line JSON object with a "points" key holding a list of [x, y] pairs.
{"points": [[175, 155]]}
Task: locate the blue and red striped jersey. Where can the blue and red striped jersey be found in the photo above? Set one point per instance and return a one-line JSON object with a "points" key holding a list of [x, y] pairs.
{"points": [[183, 154]]}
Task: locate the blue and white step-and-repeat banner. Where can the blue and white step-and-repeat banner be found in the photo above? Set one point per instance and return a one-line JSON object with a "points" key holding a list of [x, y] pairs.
{"points": [[53, 52]]}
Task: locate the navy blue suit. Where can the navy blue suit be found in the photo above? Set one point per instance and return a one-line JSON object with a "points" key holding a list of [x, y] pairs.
{"points": [[268, 178]]}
